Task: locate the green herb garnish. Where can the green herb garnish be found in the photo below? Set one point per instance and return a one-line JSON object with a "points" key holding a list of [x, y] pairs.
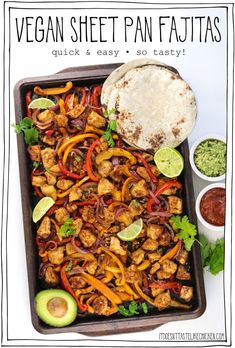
{"points": [[112, 126], [210, 157], [212, 254], [187, 231], [66, 230], [69, 267], [26, 126], [78, 158], [133, 308], [107, 113], [35, 164]]}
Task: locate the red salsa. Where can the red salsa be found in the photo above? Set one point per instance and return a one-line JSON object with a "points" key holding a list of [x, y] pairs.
{"points": [[212, 206]]}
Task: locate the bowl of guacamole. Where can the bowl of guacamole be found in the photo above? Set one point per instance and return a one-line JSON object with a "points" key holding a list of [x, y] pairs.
{"points": [[208, 157]]}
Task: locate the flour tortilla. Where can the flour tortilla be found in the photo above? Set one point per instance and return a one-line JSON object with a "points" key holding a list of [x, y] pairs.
{"points": [[154, 106]]}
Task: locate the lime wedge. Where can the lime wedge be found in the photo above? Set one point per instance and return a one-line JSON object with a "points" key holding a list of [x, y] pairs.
{"points": [[169, 161], [42, 207], [41, 103], [132, 231]]}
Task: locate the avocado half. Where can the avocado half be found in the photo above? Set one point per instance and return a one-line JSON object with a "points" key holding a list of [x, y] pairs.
{"points": [[56, 307]]}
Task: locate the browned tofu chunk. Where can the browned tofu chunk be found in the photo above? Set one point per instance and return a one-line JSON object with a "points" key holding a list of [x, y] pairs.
{"points": [[182, 257], [49, 140], [64, 184], [116, 247], [163, 275], [35, 152], [75, 194], [124, 217], [61, 215], [131, 274], [154, 231], [105, 187], [61, 120], [69, 248], [105, 168], [100, 305], [87, 238], [91, 266], [182, 273], [51, 179], [48, 157], [49, 190], [51, 277], [44, 229], [77, 225], [169, 191], [169, 266], [164, 239], [46, 116], [135, 208], [76, 111], [186, 293], [143, 173], [109, 218], [95, 120], [162, 300], [139, 189], [138, 256], [150, 244], [156, 291], [77, 282], [56, 256], [71, 207], [154, 257], [38, 180], [88, 214], [155, 267], [175, 205]]}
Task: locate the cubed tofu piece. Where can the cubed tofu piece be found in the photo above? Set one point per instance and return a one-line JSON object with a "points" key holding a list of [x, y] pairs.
{"points": [[75, 194], [138, 256], [76, 111], [91, 266], [71, 207], [87, 238], [124, 217], [131, 274], [139, 189], [69, 248], [88, 214], [77, 282], [163, 275], [38, 180], [155, 170], [55, 169], [96, 120], [49, 140], [164, 239], [175, 205], [155, 267], [116, 247], [64, 184], [141, 171], [169, 191], [135, 208], [48, 157], [105, 187], [51, 277], [35, 152], [105, 168], [154, 231], [51, 179], [56, 256], [150, 245], [101, 305], [103, 146], [61, 215], [118, 172], [154, 257], [44, 229], [182, 273], [182, 257], [186, 293], [77, 225], [49, 191], [46, 116], [61, 120], [169, 266], [156, 291], [109, 218], [162, 301]]}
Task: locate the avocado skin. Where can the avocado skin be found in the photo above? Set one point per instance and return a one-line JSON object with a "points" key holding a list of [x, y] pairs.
{"points": [[43, 297]]}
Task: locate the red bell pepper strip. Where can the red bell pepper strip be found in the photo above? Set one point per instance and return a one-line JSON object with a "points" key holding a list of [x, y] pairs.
{"points": [[95, 97], [147, 167], [38, 191], [83, 91], [69, 174], [166, 285], [88, 161], [68, 102], [168, 184], [81, 204], [67, 287], [28, 101], [49, 132]]}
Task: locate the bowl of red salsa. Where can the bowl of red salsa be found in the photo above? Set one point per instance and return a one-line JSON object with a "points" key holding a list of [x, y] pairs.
{"points": [[211, 206]]}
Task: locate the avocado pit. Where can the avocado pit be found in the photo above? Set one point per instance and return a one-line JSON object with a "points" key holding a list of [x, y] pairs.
{"points": [[57, 307]]}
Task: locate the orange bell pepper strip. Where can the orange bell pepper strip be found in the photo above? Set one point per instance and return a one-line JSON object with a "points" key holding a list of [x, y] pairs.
{"points": [[67, 287], [118, 262], [76, 139], [170, 254], [54, 90], [62, 108], [67, 192], [88, 162], [147, 167], [115, 151], [125, 186], [142, 294], [28, 101]]}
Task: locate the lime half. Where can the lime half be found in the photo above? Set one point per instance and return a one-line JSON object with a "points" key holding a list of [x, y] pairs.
{"points": [[132, 231], [42, 207], [41, 103], [169, 161]]}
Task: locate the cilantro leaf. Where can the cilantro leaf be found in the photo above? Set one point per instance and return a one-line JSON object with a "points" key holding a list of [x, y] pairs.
{"points": [[187, 231], [35, 164], [133, 308], [108, 136], [30, 135], [212, 254], [27, 127], [113, 125], [69, 267], [66, 230], [107, 113], [144, 307], [123, 311]]}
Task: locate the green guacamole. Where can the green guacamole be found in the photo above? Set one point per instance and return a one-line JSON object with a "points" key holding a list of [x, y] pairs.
{"points": [[210, 157]]}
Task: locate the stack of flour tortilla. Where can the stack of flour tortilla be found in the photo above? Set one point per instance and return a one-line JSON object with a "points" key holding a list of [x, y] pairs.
{"points": [[154, 106]]}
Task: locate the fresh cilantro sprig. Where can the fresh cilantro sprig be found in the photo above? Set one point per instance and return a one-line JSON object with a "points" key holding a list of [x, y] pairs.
{"points": [[26, 126], [66, 229], [186, 230], [133, 308], [112, 126], [107, 113], [212, 254]]}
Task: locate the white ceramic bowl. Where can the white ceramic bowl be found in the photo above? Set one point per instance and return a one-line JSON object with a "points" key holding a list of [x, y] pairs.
{"points": [[197, 207], [191, 158]]}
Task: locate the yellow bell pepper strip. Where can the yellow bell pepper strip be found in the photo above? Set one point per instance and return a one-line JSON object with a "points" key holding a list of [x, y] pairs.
{"points": [[88, 162], [75, 139], [95, 130], [145, 264], [53, 90], [130, 291], [57, 228], [125, 186], [116, 204], [82, 256], [117, 195], [66, 153], [87, 290], [143, 295], [115, 151], [101, 287], [67, 287], [108, 277], [170, 254], [117, 261], [65, 193], [112, 269], [62, 109]]}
